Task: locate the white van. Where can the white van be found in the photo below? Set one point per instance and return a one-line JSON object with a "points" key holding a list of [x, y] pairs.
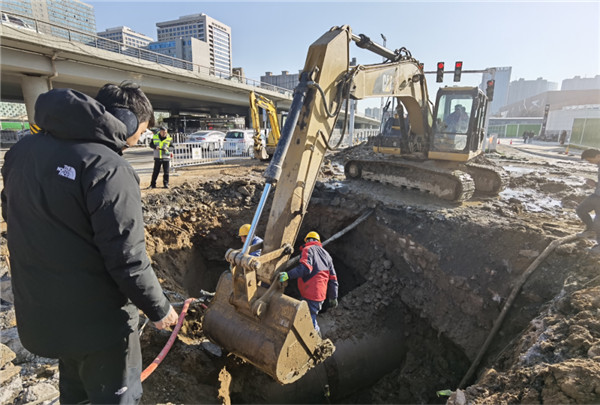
{"points": [[239, 142]]}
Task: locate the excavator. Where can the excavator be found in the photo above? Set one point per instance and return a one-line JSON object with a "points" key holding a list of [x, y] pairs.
{"points": [[264, 151], [439, 152], [250, 316]]}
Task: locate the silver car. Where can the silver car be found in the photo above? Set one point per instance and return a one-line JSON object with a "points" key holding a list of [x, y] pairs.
{"points": [[208, 140]]}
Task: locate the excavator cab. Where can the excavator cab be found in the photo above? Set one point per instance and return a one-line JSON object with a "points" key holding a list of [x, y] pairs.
{"points": [[457, 131]]}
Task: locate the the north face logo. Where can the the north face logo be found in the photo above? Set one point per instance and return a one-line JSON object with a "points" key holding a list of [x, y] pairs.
{"points": [[66, 171]]}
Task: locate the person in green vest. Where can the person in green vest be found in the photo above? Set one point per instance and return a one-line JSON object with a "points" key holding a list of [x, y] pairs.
{"points": [[161, 142]]}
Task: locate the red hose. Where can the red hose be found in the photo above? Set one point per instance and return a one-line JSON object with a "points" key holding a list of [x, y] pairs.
{"points": [[146, 373]]}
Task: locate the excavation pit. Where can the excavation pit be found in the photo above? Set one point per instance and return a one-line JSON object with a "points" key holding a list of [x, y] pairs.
{"points": [[422, 283], [420, 288]]}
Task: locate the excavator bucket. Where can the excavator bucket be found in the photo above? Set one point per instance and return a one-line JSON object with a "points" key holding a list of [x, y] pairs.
{"points": [[282, 342]]}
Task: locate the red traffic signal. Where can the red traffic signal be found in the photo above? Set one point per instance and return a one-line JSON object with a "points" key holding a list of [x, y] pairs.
{"points": [[457, 70], [489, 90], [440, 72]]}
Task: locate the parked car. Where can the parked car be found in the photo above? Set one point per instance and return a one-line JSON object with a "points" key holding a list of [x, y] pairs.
{"points": [[208, 140], [145, 137], [239, 141]]}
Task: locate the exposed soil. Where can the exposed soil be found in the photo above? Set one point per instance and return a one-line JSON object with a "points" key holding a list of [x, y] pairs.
{"points": [[421, 284]]}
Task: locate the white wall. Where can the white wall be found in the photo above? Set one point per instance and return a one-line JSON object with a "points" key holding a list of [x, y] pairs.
{"points": [[563, 119]]}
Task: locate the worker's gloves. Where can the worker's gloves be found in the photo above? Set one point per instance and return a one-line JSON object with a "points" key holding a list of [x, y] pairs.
{"points": [[283, 277], [333, 303]]}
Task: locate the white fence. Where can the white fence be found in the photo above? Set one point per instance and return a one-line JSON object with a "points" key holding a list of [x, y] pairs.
{"points": [[198, 153]]}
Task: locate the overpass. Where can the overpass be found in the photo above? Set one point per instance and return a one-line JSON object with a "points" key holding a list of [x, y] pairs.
{"points": [[32, 62]]}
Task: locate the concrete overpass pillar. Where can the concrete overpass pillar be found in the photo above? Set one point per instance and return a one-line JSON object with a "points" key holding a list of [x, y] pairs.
{"points": [[32, 87]]}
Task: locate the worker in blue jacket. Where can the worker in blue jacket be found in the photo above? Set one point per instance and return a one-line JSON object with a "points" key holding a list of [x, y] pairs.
{"points": [[316, 276], [243, 234]]}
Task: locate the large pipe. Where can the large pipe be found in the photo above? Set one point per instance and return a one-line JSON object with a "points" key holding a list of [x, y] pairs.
{"points": [[293, 261], [357, 363]]}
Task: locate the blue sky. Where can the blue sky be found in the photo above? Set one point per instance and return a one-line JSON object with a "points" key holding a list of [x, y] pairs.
{"points": [[549, 39]]}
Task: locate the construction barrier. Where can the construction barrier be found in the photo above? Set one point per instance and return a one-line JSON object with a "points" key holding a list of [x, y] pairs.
{"points": [[198, 153]]}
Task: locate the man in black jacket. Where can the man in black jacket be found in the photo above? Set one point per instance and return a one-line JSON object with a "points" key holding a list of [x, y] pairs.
{"points": [[75, 233]]}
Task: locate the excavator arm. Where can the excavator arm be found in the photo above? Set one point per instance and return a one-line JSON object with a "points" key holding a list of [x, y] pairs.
{"points": [[262, 325]]}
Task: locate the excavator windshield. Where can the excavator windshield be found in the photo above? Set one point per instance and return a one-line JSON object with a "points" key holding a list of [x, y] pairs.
{"points": [[455, 119]]}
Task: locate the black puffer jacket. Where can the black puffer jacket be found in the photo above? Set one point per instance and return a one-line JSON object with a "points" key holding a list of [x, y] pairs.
{"points": [[75, 231]]}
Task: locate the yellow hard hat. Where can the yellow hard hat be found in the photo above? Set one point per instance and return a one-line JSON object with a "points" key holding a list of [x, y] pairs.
{"points": [[244, 230], [312, 235]]}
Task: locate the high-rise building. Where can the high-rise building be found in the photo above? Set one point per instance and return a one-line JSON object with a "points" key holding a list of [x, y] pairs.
{"points": [[189, 49], [501, 77], [374, 112], [285, 79], [201, 27], [581, 83], [126, 36], [522, 89], [71, 19]]}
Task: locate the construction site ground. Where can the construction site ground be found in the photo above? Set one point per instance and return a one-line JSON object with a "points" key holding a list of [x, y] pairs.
{"points": [[422, 282]]}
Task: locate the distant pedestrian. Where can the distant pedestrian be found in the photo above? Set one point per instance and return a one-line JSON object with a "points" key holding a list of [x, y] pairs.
{"points": [[161, 142], [524, 135], [591, 203], [563, 137]]}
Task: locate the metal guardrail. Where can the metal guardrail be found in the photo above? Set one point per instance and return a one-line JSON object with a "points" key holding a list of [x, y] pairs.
{"points": [[199, 153], [48, 28], [358, 136]]}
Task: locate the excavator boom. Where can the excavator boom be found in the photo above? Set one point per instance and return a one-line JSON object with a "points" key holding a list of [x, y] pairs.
{"points": [[267, 328]]}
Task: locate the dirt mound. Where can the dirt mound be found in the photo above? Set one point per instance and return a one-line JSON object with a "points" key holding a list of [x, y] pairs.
{"points": [[555, 361]]}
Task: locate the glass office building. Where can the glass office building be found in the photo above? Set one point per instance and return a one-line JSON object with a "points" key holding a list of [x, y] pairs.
{"points": [[72, 19], [200, 26], [126, 36]]}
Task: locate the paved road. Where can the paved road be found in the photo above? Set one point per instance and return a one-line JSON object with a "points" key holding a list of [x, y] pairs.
{"points": [[547, 149], [140, 158]]}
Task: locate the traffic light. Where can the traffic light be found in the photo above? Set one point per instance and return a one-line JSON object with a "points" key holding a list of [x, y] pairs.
{"points": [[440, 72], [489, 90], [457, 71]]}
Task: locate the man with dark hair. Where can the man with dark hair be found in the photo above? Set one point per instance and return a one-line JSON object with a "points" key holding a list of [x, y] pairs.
{"points": [[75, 234], [592, 202]]}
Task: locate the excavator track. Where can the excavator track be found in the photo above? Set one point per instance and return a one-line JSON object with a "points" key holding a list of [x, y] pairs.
{"points": [[448, 184], [488, 179]]}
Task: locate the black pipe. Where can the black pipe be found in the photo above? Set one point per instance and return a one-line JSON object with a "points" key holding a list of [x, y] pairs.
{"points": [[273, 172]]}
